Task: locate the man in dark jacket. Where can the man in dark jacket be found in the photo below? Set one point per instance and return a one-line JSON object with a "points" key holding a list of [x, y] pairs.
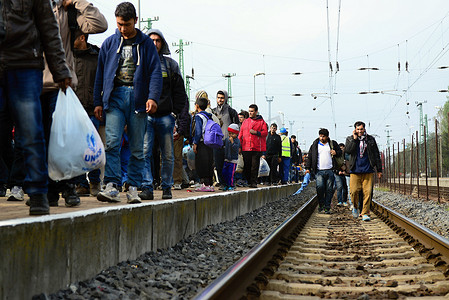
{"points": [[160, 125], [28, 30], [128, 85], [321, 161], [226, 116], [364, 162], [273, 153]]}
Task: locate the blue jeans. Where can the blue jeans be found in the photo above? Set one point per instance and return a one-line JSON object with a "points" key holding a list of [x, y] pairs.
{"points": [[19, 96], [121, 112], [325, 188], [162, 127], [285, 169], [94, 176], [347, 184], [342, 188]]}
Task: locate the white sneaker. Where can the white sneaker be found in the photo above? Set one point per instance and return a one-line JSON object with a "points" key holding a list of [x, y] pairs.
{"points": [[177, 186], [196, 185], [132, 195], [110, 194], [16, 194]]}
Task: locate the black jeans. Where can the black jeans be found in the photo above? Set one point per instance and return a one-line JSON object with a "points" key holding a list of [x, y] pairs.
{"points": [[273, 162], [251, 160]]}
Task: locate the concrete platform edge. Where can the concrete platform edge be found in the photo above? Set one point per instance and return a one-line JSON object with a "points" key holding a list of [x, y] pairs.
{"points": [[45, 254]]}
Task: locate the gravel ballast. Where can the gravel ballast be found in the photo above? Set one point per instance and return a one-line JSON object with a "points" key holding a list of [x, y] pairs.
{"points": [[182, 271], [430, 214]]}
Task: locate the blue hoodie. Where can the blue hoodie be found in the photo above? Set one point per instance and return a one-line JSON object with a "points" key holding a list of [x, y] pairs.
{"points": [[147, 77]]}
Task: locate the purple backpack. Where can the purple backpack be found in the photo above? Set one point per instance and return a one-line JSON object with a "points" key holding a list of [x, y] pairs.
{"points": [[212, 135]]}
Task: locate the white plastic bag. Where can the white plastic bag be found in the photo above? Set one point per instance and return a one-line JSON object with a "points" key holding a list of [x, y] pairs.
{"points": [[240, 164], [264, 168], [75, 146]]}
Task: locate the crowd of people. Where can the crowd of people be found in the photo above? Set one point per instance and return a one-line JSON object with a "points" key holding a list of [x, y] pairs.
{"points": [[134, 94]]}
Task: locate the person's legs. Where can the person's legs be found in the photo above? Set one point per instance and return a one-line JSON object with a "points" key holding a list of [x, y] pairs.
{"points": [[321, 189], [115, 123], [164, 131], [355, 186], [339, 182], [247, 162], [255, 164], [20, 93], [367, 187], [329, 189], [147, 178], [219, 161], [178, 167], [285, 169], [348, 189]]}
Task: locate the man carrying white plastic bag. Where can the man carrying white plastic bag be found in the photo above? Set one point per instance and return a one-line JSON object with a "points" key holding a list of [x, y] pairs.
{"points": [[75, 146]]}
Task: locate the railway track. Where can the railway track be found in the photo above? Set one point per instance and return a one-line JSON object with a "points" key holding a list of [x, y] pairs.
{"points": [[335, 256]]}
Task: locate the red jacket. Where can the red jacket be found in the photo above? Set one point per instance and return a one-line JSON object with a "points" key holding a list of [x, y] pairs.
{"points": [[253, 142]]}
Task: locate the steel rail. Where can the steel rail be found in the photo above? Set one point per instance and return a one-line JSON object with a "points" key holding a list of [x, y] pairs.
{"points": [[428, 238], [233, 283]]}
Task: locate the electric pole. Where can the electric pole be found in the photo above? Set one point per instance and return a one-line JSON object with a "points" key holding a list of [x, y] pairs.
{"points": [[188, 77], [269, 100], [149, 22], [228, 78], [421, 120], [291, 126], [180, 51]]}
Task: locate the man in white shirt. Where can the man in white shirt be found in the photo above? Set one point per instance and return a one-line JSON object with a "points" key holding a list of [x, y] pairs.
{"points": [[321, 162]]}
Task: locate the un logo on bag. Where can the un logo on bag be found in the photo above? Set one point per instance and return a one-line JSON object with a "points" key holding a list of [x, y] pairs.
{"points": [[93, 154]]}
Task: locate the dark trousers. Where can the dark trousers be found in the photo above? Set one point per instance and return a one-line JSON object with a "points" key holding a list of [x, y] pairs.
{"points": [[273, 162], [204, 163], [251, 160], [219, 155]]}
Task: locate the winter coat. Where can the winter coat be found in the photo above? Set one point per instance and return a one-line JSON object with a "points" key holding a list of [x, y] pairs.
{"points": [[147, 77], [85, 69], [274, 144], [312, 161], [173, 97], [30, 30], [253, 142], [352, 148], [226, 115], [89, 20]]}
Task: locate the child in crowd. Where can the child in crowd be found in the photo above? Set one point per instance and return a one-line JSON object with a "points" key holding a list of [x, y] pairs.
{"points": [[232, 145], [203, 153]]}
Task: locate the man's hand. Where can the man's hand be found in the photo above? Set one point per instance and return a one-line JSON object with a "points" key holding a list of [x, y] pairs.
{"points": [[98, 112], [379, 175], [307, 171], [354, 134], [176, 136], [279, 159], [252, 131], [264, 157], [65, 83], [194, 148], [151, 106], [333, 152]]}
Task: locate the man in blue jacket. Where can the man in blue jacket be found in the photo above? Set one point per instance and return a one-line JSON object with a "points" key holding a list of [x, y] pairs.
{"points": [[128, 85]]}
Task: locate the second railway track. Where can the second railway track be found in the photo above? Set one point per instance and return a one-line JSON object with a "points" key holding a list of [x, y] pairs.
{"points": [[339, 257]]}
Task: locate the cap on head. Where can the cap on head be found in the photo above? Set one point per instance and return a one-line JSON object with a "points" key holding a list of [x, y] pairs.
{"points": [[234, 128], [201, 94], [283, 130]]}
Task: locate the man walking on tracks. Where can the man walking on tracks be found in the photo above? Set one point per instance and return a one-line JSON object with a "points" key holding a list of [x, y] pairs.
{"points": [[321, 161], [364, 161]]}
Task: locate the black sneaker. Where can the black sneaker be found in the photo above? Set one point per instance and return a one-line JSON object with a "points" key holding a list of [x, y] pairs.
{"points": [[166, 194], [39, 205], [253, 185], [70, 196], [53, 198], [146, 194]]}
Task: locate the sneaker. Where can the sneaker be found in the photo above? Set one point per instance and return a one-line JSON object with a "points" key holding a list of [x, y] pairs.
{"points": [[110, 193], [366, 218], [82, 191], [177, 186], [70, 196], [320, 209], [146, 194], [345, 203], [327, 211], [132, 196], [339, 204], [166, 194], [351, 207], [196, 185], [94, 188], [16, 194], [253, 185], [39, 205], [231, 188], [355, 212], [184, 185]]}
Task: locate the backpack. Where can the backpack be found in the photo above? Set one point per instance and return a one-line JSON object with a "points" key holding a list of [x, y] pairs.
{"points": [[339, 160], [212, 135]]}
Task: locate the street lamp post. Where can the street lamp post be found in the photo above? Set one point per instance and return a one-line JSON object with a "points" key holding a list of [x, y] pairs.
{"points": [[269, 100], [254, 84], [282, 114]]}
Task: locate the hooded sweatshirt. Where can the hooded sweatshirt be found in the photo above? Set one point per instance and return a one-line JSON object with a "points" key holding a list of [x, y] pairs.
{"points": [[226, 114], [173, 97]]}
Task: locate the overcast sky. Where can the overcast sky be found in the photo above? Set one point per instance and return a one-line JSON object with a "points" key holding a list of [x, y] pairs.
{"points": [[280, 37]]}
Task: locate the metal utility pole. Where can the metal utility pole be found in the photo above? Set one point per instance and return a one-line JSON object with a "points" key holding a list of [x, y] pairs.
{"points": [[254, 84], [388, 135], [188, 77], [291, 126], [180, 51], [228, 78], [421, 120], [269, 100], [149, 22]]}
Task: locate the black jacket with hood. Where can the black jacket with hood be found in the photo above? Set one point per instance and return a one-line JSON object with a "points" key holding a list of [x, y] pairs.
{"points": [[312, 161], [173, 97]]}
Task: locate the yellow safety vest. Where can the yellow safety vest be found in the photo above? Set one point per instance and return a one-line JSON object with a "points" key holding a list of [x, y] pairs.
{"points": [[285, 146]]}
